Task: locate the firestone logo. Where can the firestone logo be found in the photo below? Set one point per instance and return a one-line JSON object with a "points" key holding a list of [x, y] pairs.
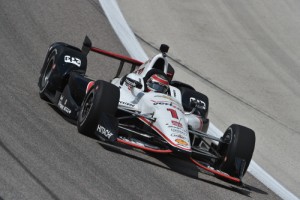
{"points": [[175, 123]]}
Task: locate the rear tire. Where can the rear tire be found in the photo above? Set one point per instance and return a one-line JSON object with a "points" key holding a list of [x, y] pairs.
{"points": [[45, 76], [241, 146], [60, 61], [102, 97]]}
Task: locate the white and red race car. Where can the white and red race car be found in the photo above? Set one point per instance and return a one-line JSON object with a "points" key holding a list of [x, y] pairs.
{"points": [[144, 109]]}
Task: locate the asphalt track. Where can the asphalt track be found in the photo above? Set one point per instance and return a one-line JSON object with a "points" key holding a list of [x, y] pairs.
{"points": [[245, 56], [43, 156]]}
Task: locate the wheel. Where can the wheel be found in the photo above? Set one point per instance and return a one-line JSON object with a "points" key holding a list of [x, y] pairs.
{"points": [[241, 146], [60, 61], [102, 97], [45, 76]]}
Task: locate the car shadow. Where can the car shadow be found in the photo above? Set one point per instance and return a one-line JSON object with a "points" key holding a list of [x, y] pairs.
{"points": [[180, 166], [185, 167]]}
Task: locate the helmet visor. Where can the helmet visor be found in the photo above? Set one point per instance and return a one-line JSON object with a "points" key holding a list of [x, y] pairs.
{"points": [[158, 87]]}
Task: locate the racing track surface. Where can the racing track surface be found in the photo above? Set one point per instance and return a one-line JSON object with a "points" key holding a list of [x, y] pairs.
{"points": [[245, 56], [43, 156]]}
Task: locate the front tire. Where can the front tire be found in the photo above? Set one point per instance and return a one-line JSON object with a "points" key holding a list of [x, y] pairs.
{"points": [[241, 146], [102, 97]]}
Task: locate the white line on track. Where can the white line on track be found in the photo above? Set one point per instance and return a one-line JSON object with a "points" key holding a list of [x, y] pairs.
{"points": [[122, 30], [128, 39]]}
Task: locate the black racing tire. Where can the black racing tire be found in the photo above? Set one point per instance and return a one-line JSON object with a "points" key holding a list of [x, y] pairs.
{"points": [[46, 75], [57, 68], [241, 146], [102, 97]]}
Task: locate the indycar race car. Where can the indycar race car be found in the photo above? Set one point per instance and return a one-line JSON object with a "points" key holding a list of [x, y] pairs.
{"points": [[145, 109]]}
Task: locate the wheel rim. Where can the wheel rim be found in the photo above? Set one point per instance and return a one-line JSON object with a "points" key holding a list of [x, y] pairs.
{"points": [[46, 75], [223, 149], [86, 108], [227, 137]]}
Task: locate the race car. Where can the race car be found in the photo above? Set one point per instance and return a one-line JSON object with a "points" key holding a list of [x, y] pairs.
{"points": [[145, 109]]}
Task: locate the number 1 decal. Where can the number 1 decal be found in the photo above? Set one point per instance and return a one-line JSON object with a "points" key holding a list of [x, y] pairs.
{"points": [[173, 113]]}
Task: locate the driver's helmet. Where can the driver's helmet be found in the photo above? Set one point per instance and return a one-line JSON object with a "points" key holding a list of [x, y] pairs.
{"points": [[157, 83]]}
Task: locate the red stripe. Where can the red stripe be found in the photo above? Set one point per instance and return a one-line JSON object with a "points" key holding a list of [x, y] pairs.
{"points": [[143, 148], [216, 172], [157, 78], [116, 56], [162, 134], [170, 75], [89, 86]]}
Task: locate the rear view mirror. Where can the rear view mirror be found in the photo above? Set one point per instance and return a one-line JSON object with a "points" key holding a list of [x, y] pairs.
{"points": [[164, 49]]}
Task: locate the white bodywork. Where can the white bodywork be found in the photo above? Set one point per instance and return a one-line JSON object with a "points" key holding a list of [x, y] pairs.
{"points": [[171, 123]]}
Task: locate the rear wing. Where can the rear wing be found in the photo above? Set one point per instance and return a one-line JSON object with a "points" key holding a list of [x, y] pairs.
{"points": [[87, 47]]}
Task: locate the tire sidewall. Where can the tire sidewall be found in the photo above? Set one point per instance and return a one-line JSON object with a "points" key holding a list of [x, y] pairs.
{"points": [[105, 99], [51, 61], [241, 146]]}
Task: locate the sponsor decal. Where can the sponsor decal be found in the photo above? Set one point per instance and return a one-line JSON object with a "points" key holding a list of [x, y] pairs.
{"points": [[126, 103], [200, 104], [164, 103], [181, 142], [174, 93], [175, 144], [139, 71], [63, 107], [175, 123], [104, 131], [178, 136], [167, 103], [180, 131], [73, 60], [173, 113]]}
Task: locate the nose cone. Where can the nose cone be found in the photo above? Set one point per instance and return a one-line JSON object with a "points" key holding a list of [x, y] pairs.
{"points": [[170, 122]]}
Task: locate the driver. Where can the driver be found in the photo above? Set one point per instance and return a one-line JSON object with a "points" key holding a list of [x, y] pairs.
{"points": [[157, 83]]}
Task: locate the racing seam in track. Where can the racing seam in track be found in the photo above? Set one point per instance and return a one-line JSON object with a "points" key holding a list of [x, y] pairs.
{"points": [[39, 182]]}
